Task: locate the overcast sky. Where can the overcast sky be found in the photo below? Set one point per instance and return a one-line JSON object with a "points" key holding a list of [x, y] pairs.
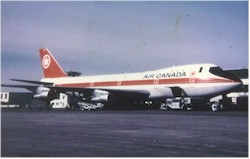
{"points": [[116, 37]]}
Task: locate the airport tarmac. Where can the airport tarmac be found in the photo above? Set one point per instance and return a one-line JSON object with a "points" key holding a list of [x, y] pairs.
{"points": [[144, 133]]}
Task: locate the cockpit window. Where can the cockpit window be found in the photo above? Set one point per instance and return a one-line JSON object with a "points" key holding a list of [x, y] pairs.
{"points": [[219, 72]]}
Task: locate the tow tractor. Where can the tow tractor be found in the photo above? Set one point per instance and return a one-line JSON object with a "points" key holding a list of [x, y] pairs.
{"points": [[89, 106]]}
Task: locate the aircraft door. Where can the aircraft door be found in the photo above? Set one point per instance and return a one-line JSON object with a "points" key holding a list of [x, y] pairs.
{"points": [[156, 81], [192, 78]]}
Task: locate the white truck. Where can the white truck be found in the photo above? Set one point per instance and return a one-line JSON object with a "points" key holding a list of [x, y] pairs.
{"points": [[176, 103], [235, 100], [5, 97], [61, 103]]}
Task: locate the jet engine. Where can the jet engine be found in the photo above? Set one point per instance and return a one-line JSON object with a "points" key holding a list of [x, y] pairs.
{"points": [[100, 96], [41, 93]]}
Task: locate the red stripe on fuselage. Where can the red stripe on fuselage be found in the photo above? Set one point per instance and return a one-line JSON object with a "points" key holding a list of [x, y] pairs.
{"points": [[146, 82]]}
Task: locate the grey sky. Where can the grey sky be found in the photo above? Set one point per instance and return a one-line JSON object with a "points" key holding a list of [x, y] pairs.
{"points": [[117, 37]]}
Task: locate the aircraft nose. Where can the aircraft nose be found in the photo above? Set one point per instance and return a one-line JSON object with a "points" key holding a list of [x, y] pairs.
{"points": [[235, 79], [237, 83], [240, 84], [238, 80]]}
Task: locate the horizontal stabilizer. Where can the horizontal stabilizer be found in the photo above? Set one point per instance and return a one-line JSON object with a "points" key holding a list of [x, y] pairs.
{"points": [[33, 82]]}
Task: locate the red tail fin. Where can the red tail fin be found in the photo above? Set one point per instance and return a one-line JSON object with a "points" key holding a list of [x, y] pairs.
{"points": [[51, 68]]}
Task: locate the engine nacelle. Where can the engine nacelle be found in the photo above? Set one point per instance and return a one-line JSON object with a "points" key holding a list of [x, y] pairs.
{"points": [[100, 96], [41, 93]]}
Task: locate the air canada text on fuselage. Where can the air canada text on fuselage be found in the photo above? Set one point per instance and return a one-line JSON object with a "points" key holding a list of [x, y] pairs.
{"points": [[165, 75]]}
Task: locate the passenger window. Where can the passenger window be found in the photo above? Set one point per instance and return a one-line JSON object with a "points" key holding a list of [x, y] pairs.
{"points": [[200, 69]]}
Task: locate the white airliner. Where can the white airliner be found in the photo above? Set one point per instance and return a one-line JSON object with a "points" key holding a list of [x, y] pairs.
{"points": [[197, 80]]}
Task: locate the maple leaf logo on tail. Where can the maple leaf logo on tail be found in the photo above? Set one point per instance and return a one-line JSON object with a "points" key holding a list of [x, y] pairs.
{"points": [[51, 68]]}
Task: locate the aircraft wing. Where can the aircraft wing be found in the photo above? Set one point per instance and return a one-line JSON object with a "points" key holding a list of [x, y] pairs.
{"points": [[31, 88], [117, 92], [177, 91]]}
